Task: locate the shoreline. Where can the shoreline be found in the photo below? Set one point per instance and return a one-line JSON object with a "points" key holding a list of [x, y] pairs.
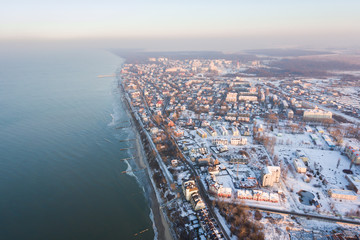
{"points": [[162, 227]]}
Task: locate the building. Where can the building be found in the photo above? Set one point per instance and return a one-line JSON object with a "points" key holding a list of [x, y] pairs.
{"points": [[270, 175], [189, 188], [224, 131], [231, 97], [320, 129], [290, 113], [174, 162], [353, 154], [300, 154], [238, 159], [220, 141], [308, 129], [316, 115], [245, 194], [220, 191], [222, 148], [211, 131], [342, 194], [238, 141], [204, 161], [199, 150], [201, 133], [299, 165], [154, 130], [215, 170], [243, 119], [197, 202], [354, 183], [235, 131], [178, 132], [250, 98]]}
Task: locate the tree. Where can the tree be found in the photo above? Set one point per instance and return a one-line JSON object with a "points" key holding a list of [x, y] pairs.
{"points": [[258, 215]]}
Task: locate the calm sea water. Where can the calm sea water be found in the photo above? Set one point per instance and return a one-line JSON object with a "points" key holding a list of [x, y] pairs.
{"points": [[60, 173]]}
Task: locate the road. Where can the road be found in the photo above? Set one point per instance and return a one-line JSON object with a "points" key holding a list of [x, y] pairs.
{"points": [[203, 193], [325, 218]]}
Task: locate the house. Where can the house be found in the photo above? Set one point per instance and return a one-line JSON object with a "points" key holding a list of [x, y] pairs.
{"points": [[159, 104], [174, 162]]}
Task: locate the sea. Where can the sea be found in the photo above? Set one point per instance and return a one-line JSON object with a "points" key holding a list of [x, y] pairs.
{"points": [[61, 168]]}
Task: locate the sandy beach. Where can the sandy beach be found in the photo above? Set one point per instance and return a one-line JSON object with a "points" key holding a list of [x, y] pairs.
{"points": [[162, 227]]}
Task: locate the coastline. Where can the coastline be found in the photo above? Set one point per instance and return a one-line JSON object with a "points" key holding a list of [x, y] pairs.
{"points": [[160, 223], [162, 226]]}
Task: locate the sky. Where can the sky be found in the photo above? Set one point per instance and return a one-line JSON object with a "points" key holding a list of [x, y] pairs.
{"points": [[184, 24]]}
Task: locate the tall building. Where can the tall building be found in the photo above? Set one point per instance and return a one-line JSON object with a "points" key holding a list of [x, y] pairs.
{"points": [[270, 175]]}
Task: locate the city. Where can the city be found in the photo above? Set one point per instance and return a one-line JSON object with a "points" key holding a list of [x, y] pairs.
{"points": [[228, 149], [166, 120]]}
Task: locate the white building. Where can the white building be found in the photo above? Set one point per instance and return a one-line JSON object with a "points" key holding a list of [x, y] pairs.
{"points": [[197, 202], [154, 130], [220, 191], [238, 141], [201, 133], [317, 115], [220, 141], [231, 97], [189, 188], [235, 131], [211, 131], [224, 131], [342, 194], [299, 165], [250, 98], [270, 175]]}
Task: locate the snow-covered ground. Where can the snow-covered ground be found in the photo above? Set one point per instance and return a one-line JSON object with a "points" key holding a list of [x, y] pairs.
{"points": [[323, 164]]}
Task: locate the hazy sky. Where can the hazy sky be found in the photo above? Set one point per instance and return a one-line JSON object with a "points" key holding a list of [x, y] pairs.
{"points": [[221, 22]]}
